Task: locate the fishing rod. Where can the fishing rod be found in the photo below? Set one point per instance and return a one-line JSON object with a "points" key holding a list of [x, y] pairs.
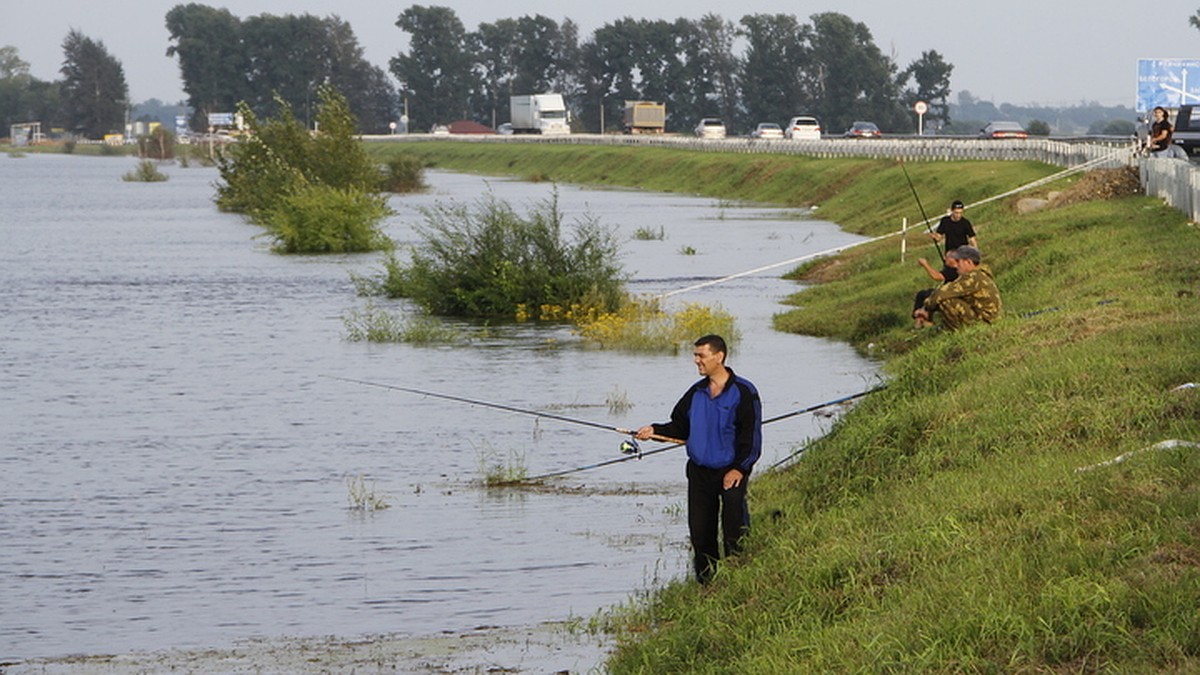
{"points": [[912, 187], [676, 444], [629, 447]]}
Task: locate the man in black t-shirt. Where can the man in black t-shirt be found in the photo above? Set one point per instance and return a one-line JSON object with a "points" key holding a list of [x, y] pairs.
{"points": [[955, 229]]}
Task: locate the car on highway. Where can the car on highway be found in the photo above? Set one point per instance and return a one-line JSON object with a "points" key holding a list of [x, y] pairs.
{"points": [[767, 130], [1003, 129], [711, 127], [803, 127], [863, 130]]}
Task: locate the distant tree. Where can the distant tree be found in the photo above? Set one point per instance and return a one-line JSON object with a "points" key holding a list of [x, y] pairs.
{"points": [[94, 93], [213, 63], [932, 76], [529, 55], [495, 46], [609, 72], [848, 78], [14, 87], [710, 72], [1038, 128], [267, 58], [436, 73], [773, 68]]}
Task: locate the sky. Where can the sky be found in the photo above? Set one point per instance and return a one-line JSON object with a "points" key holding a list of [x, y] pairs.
{"points": [[1046, 52]]}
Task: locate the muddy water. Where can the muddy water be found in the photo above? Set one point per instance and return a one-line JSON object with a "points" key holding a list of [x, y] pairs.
{"points": [[173, 463]]}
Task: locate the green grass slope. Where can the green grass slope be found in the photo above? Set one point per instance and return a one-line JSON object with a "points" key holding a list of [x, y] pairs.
{"points": [[968, 518]]}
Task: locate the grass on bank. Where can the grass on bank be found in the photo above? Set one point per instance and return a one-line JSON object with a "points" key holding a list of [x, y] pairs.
{"points": [[944, 524]]}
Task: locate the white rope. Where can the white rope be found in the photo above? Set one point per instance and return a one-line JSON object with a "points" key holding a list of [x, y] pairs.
{"points": [[793, 261], [1161, 445]]}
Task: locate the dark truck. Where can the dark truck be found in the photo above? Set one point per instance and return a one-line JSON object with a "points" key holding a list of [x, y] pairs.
{"points": [[1187, 129]]}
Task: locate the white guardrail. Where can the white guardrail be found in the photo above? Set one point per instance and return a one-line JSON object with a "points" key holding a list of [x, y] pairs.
{"points": [[1176, 181]]}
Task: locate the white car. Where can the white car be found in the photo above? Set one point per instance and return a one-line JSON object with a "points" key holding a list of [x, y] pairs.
{"points": [[803, 128], [767, 130], [711, 127]]}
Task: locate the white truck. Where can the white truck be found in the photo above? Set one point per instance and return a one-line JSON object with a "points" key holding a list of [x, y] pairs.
{"points": [[539, 114]]}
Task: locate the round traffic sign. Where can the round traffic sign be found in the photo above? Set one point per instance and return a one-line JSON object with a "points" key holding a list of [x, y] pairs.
{"points": [[921, 107]]}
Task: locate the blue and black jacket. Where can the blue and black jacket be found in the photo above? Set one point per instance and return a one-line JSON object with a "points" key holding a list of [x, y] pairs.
{"points": [[723, 432]]}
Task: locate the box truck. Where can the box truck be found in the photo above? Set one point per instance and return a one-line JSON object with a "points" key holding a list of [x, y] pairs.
{"points": [[645, 117], [539, 114]]}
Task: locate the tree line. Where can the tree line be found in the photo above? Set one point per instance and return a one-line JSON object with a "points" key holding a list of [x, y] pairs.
{"points": [[765, 67], [829, 67]]}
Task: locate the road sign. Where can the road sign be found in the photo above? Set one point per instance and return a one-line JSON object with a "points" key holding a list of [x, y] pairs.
{"points": [[220, 119], [1169, 83], [921, 107]]}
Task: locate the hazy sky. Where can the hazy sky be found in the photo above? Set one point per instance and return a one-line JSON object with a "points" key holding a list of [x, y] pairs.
{"points": [[1051, 52]]}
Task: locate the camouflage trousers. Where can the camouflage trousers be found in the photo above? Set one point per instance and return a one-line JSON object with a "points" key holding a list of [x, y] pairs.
{"points": [[957, 313]]}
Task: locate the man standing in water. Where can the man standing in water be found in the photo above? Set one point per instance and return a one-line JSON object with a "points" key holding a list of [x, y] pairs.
{"points": [[721, 418]]}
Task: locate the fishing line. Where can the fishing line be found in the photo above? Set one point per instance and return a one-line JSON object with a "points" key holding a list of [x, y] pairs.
{"points": [[508, 408], [677, 444]]}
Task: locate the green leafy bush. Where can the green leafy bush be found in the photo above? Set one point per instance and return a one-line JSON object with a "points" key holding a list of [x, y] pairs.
{"points": [[146, 172], [315, 193], [488, 261], [404, 173], [325, 219]]}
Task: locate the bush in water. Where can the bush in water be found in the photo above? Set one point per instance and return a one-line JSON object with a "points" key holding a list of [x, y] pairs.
{"points": [[146, 172], [404, 173], [291, 181], [324, 219], [489, 260]]}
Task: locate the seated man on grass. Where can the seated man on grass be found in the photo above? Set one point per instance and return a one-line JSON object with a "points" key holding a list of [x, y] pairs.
{"points": [[948, 273], [971, 297]]}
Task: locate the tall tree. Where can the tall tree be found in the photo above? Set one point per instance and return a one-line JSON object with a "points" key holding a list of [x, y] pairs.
{"points": [[495, 46], [213, 63], [269, 59], [932, 76], [848, 77], [436, 74], [286, 61], [709, 84], [774, 67], [608, 75], [94, 93]]}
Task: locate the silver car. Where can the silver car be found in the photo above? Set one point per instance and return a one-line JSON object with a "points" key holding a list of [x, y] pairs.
{"points": [[711, 127]]}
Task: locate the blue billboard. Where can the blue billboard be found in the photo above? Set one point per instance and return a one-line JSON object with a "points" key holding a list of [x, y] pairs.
{"points": [[1167, 82]]}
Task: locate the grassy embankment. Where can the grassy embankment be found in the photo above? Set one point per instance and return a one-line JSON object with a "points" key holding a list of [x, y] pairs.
{"points": [[944, 525]]}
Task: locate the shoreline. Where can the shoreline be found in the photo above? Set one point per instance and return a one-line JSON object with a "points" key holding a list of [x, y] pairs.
{"points": [[552, 647]]}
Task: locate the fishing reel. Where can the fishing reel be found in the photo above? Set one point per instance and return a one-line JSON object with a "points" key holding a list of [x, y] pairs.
{"points": [[631, 447]]}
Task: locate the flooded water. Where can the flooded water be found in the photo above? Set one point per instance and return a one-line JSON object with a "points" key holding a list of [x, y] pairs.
{"points": [[174, 462]]}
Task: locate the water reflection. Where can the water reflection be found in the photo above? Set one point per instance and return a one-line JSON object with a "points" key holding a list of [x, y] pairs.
{"points": [[174, 464]]}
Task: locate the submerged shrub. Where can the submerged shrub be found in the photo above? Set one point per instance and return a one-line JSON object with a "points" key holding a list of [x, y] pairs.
{"points": [[292, 182], [404, 173], [324, 219], [489, 260], [146, 172]]}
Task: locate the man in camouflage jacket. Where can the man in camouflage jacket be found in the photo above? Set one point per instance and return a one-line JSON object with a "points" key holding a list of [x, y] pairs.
{"points": [[971, 297]]}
